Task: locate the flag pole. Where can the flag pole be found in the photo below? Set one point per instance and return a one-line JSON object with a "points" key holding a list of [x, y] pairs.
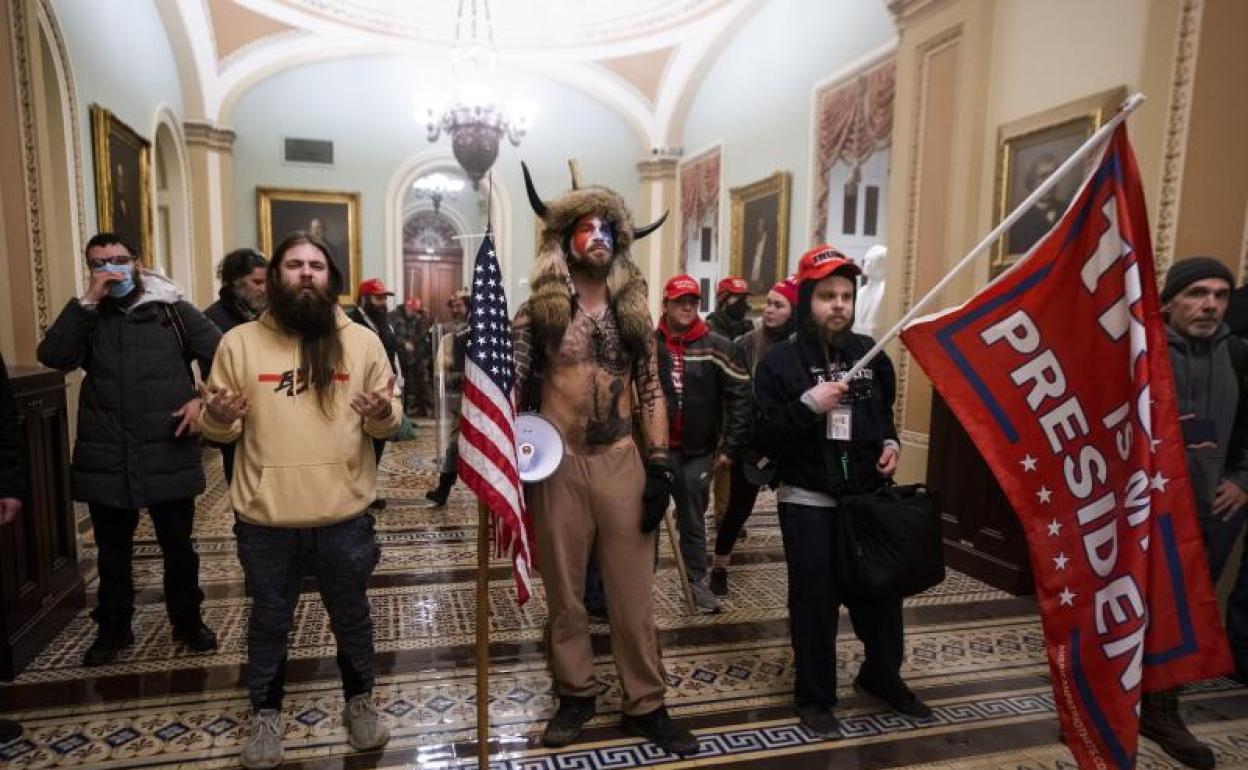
{"points": [[483, 637], [1093, 142]]}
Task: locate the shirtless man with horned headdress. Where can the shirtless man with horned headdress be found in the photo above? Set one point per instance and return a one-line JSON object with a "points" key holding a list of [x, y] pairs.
{"points": [[585, 351]]}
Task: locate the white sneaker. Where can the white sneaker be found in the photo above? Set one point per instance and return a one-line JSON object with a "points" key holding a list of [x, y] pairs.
{"points": [[365, 728], [263, 746], [705, 600]]}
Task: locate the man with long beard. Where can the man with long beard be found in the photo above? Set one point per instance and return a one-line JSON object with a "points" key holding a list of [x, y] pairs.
{"points": [[587, 339], [304, 391], [830, 438]]}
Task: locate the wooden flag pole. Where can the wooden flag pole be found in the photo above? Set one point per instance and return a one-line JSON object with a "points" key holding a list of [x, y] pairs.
{"points": [[483, 637]]}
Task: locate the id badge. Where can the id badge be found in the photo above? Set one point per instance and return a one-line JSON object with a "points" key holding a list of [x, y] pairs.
{"points": [[840, 423]]}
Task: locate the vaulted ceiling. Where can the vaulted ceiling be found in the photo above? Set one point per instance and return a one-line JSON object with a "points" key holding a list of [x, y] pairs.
{"points": [[642, 58]]}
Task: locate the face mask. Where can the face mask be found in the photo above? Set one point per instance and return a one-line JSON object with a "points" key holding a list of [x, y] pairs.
{"points": [[123, 287]]}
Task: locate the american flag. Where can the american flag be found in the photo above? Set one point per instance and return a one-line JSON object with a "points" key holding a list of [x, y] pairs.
{"points": [[487, 439]]}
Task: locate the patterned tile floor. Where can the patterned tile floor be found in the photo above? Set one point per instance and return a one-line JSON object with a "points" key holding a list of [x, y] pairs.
{"points": [[973, 652]]}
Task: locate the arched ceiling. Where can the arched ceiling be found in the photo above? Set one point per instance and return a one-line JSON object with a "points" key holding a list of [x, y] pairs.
{"points": [[641, 58]]}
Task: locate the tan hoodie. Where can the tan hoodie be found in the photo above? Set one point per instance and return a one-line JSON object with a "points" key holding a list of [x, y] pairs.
{"points": [[294, 467]]}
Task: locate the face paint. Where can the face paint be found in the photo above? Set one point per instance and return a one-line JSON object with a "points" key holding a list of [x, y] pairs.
{"points": [[592, 230]]}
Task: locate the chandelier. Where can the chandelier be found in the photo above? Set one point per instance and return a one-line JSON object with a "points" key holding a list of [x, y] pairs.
{"points": [[472, 115], [437, 187]]}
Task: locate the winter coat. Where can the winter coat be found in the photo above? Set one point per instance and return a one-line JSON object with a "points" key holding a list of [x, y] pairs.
{"points": [[127, 455], [795, 436], [384, 331], [1209, 387], [711, 402], [12, 445], [228, 311], [727, 327]]}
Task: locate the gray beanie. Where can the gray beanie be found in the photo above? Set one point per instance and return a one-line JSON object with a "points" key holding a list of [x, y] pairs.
{"points": [[1188, 271]]}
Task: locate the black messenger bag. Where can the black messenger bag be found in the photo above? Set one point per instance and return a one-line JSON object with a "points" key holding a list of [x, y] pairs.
{"points": [[890, 542]]}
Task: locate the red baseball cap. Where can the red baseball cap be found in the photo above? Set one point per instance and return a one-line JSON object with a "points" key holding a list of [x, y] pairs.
{"points": [[681, 285], [374, 286], [733, 284], [823, 260]]}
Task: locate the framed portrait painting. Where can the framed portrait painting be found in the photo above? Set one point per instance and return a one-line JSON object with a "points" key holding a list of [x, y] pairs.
{"points": [[1028, 151], [332, 216], [760, 233], [122, 162]]}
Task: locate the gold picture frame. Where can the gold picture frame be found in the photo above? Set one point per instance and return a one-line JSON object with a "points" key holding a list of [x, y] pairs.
{"points": [[123, 173], [334, 216], [1034, 145], [760, 214]]}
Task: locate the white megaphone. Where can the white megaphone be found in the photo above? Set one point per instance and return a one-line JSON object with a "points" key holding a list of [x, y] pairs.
{"points": [[539, 447]]}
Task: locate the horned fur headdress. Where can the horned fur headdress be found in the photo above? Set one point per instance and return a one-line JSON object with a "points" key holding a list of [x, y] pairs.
{"points": [[552, 290]]}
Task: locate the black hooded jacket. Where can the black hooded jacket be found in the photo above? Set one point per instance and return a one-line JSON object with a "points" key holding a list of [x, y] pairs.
{"points": [[795, 436], [228, 311]]}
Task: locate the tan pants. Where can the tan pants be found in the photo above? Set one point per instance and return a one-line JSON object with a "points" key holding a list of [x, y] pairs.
{"points": [[597, 499]]}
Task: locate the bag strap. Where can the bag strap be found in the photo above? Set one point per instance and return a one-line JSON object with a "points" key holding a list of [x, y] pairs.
{"points": [[174, 319]]}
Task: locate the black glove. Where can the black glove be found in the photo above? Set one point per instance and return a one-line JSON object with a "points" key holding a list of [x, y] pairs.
{"points": [[659, 484]]}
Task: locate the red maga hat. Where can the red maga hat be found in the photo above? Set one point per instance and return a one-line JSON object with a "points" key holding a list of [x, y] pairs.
{"points": [[733, 284], [374, 286], [680, 286], [823, 260]]}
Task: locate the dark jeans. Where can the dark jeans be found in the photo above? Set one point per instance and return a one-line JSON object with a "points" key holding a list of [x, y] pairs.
{"points": [[741, 498], [114, 536], [691, 495], [1220, 537], [342, 557], [814, 611]]}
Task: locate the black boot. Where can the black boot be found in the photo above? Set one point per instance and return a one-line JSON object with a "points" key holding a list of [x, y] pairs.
{"points": [[438, 495], [565, 726], [107, 644], [197, 636], [1160, 722], [663, 731], [9, 731]]}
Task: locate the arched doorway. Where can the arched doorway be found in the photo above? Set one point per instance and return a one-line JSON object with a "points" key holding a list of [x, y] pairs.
{"points": [[433, 260], [171, 241]]}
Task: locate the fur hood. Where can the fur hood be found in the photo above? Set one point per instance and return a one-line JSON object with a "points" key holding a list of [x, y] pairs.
{"points": [[551, 283]]}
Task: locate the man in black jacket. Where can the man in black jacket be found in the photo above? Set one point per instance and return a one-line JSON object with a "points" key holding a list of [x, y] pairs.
{"points": [[371, 310], [1209, 365], [240, 299], [732, 302], [12, 488], [708, 408], [135, 337], [242, 295], [830, 437]]}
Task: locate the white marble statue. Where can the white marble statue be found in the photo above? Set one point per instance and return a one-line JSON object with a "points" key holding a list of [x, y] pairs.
{"points": [[871, 293]]}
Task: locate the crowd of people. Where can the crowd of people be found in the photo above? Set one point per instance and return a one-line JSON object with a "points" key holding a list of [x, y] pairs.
{"points": [[301, 395]]}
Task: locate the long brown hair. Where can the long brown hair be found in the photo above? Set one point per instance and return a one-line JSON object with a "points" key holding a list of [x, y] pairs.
{"points": [[320, 345]]}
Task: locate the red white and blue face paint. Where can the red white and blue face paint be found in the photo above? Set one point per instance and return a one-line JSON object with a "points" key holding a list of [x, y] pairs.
{"points": [[591, 231]]}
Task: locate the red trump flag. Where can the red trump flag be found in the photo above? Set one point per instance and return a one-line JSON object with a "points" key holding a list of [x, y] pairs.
{"points": [[1059, 372]]}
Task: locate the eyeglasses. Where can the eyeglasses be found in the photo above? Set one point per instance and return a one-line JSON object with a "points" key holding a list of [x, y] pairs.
{"points": [[120, 259]]}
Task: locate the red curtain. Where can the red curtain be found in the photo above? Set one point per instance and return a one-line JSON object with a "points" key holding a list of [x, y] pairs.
{"points": [[855, 120], [699, 195]]}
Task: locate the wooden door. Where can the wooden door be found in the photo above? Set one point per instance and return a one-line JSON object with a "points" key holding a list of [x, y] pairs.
{"points": [[434, 281], [983, 536]]}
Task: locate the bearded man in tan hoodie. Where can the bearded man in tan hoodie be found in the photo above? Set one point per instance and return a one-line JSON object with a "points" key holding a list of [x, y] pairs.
{"points": [[304, 391]]}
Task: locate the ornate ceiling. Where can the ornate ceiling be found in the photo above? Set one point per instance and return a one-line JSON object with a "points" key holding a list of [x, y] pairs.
{"points": [[516, 23], [641, 58]]}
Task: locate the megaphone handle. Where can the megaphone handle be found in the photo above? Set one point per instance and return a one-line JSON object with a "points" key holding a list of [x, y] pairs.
{"points": [[680, 561]]}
